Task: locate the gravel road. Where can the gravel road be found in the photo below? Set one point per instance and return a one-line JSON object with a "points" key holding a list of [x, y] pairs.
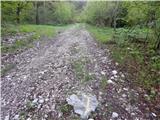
{"points": [[37, 88]]}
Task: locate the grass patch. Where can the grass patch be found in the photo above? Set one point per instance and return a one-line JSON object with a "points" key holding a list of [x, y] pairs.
{"points": [[81, 71], [38, 30], [102, 35], [65, 108], [103, 82], [6, 69]]}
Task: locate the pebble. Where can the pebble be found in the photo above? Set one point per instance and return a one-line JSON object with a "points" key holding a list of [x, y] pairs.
{"points": [[112, 77], [103, 73], [46, 99], [154, 114], [122, 75], [41, 101], [6, 117], [29, 119], [114, 72], [114, 115], [16, 117], [110, 82], [90, 119], [126, 89], [124, 95], [116, 63], [35, 101]]}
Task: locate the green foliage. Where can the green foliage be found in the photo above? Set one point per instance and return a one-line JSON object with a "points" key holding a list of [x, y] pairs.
{"points": [[40, 30], [81, 72], [64, 12], [101, 34], [103, 82], [98, 12], [6, 69], [65, 108], [50, 12], [37, 30]]}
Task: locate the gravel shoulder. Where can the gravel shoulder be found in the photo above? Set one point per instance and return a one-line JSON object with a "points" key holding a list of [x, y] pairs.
{"points": [[72, 61]]}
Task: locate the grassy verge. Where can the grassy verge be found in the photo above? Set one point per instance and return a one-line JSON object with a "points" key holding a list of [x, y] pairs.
{"points": [[103, 35], [135, 55], [27, 42], [37, 30]]}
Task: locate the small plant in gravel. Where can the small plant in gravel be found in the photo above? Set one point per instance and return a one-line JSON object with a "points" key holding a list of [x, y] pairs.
{"points": [[23, 115], [6, 69], [65, 108], [103, 82], [30, 106], [88, 77], [78, 66], [81, 71]]}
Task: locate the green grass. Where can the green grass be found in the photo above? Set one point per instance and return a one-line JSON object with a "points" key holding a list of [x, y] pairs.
{"points": [[38, 30], [81, 72], [6, 69], [133, 52], [103, 82], [102, 35]]}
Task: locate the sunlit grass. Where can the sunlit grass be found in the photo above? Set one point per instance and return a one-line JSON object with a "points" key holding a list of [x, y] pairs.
{"points": [[37, 30], [101, 34]]}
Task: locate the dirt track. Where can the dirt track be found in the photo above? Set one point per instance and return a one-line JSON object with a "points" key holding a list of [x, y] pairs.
{"points": [[37, 88]]}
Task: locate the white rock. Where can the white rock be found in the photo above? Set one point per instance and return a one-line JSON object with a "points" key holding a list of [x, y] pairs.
{"points": [[114, 72], [35, 101], [117, 63], [115, 76], [46, 99], [110, 82], [154, 114], [45, 115], [29, 119], [103, 73], [122, 76], [133, 114], [112, 77], [6, 117], [16, 117], [100, 93], [41, 101], [114, 115], [126, 89], [124, 95], [90, 119]]}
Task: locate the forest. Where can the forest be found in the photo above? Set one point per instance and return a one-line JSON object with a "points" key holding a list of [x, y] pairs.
{"points": [[122, 38]]}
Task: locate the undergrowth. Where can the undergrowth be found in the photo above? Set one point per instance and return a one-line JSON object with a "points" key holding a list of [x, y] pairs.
{"points": [[133, 49]]}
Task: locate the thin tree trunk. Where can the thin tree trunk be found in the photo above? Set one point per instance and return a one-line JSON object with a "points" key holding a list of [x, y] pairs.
{"points": [[37, 13], [18, 13]]}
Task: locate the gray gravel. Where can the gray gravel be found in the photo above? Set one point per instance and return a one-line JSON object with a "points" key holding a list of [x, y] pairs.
{"points": [[45, 77]]}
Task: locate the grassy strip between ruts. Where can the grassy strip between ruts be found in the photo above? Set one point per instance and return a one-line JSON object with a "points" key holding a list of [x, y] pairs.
{"points": [[134, 54]]}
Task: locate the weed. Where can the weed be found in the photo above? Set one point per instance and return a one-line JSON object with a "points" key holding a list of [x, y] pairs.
{"points": [[88, 77], [134, 52], [81, 71], [103, 82], [65, 108], [6, 69]]}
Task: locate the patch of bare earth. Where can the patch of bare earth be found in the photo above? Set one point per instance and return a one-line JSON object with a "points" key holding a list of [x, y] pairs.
{"points": [[44, 77]]}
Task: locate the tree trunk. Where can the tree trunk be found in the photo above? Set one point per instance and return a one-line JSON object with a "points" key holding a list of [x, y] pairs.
{"points": [[18, 13], [37, 13]]}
